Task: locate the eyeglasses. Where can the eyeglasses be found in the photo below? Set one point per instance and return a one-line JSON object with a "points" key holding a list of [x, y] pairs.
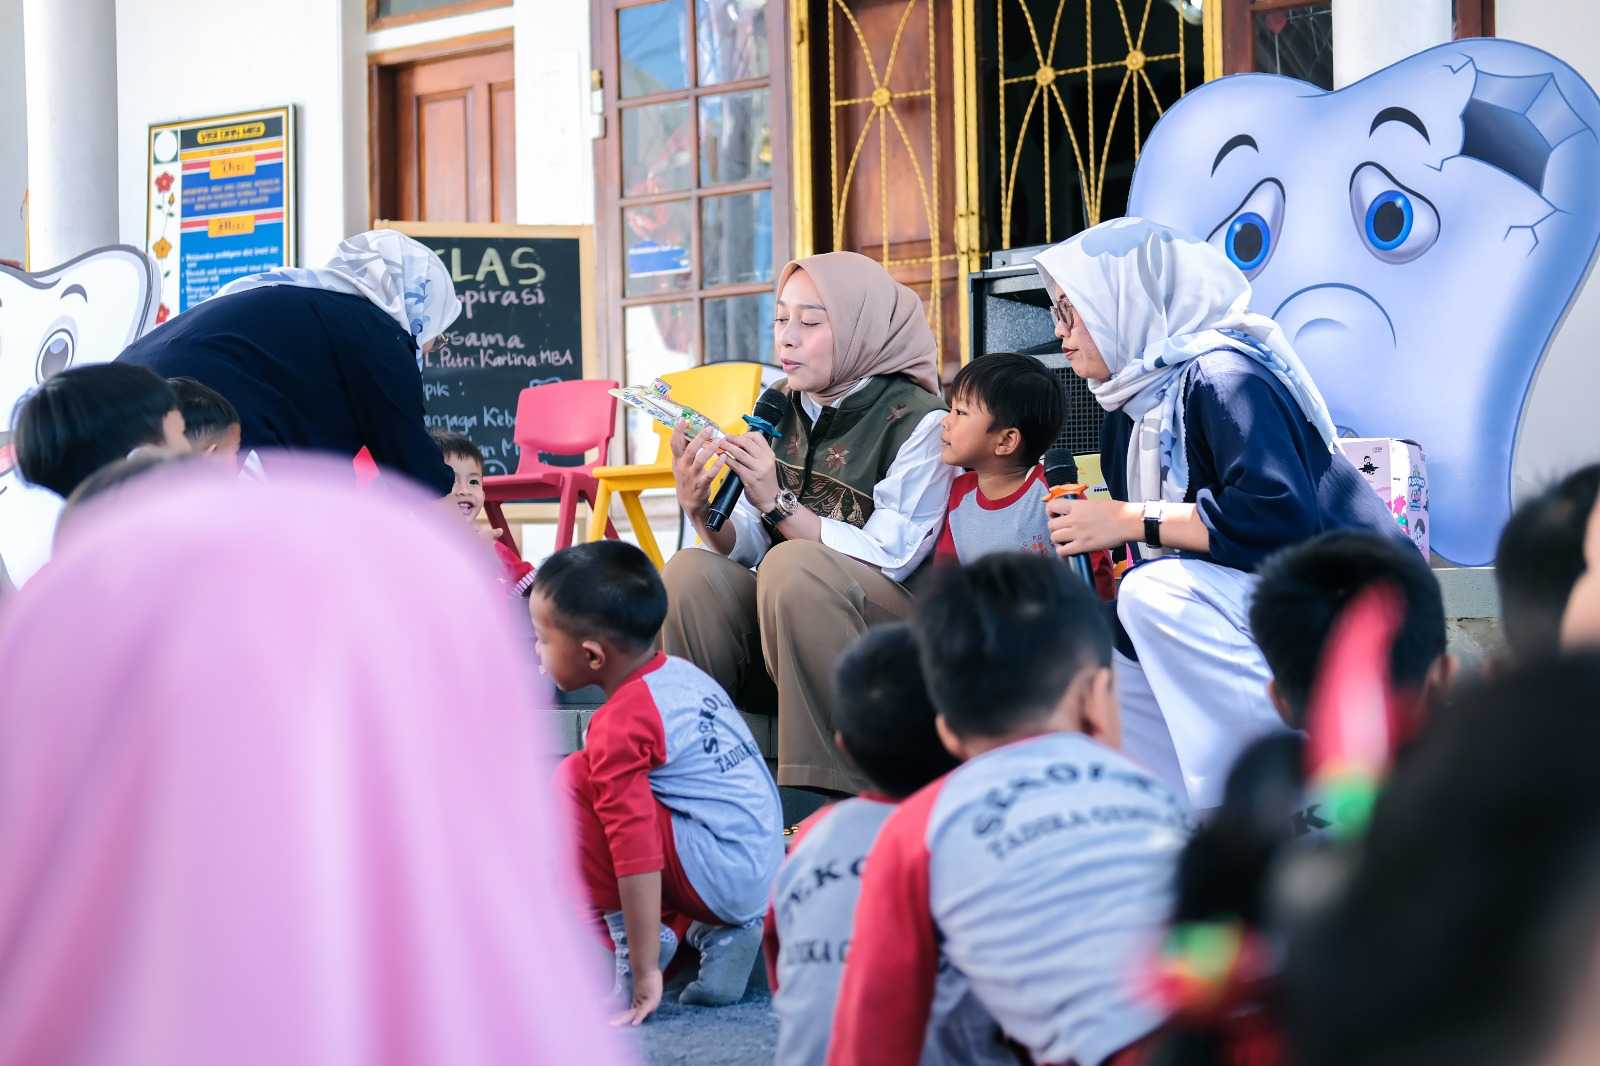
{"points": [[1062, 314]]}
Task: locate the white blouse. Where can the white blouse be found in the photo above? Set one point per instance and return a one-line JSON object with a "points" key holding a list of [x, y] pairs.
{"points": [[908, 505]]}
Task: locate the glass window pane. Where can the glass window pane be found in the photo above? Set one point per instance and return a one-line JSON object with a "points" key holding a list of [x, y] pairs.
{"points": [[657, 339], [735, 138], [657, 240], [650, 41], [731, 37], [736, 238], [739, 327], [1297, 42], [657, 149]]}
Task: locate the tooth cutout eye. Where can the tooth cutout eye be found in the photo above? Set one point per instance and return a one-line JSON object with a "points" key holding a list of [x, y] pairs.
{"points": [[1396, 223], [1249, 235], [55, 354]]}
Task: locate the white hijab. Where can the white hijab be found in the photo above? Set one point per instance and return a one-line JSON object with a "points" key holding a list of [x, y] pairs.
{"points": [[1154, 301], [396, 273]]}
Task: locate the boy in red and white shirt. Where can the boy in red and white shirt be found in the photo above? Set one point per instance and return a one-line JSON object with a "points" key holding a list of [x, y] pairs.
{"points": [[884, 726], [1042, 868], [1005, 409], [675, 814]]}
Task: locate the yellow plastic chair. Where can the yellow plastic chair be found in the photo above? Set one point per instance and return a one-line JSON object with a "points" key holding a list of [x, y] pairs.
{"points": [[723, 392]]}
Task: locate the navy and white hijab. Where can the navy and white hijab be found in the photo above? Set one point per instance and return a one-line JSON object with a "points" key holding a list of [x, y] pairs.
{"points": [[1155, 302]]}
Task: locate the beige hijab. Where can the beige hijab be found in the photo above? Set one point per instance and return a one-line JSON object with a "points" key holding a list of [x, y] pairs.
{"points": [[879, 326]]}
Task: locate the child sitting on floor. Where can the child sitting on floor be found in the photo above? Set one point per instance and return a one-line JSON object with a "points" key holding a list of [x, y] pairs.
{"points": [[1043, 865], [466, 497], [209, 421], [884, 726], [675, 814], [1304, 589], [85, 417], [1539, 561]]}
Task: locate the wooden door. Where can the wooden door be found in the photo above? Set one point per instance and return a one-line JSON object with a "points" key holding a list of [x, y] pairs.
{"points": [[884, 154], [445, 138]]}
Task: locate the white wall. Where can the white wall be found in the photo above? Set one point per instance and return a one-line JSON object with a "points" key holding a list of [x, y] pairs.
{"points": [[179, 59], [555, 155], [1559, 430], [1369, 35], [13, 130]]}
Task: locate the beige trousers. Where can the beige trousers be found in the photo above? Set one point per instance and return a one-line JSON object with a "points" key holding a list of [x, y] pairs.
{"points": [[779, 631]]}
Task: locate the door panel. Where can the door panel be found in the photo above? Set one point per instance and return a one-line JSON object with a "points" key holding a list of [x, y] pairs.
{"points": [[448, 141]]}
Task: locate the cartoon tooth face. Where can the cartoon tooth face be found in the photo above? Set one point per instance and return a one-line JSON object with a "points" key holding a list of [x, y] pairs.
{"points": [[84, 311], [1418, 235]]}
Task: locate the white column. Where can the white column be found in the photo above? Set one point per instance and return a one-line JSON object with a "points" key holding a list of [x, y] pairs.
{"points": [[13, 130], [555, 126], [72, 127], [1369, 35]]}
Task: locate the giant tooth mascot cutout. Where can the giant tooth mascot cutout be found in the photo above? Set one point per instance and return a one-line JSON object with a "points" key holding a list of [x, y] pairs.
{"points": [[84, 311], [1419, 235]]}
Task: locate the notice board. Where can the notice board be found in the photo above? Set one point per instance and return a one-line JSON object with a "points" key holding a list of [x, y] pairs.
{"points": [[527, 318], [220, 202]]}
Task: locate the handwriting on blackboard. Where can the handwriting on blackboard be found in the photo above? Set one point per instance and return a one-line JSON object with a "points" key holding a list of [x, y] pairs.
{"points": [[521, 326]]}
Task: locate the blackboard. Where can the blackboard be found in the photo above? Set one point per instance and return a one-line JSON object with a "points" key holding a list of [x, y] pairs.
{"points": [[526, 320]]}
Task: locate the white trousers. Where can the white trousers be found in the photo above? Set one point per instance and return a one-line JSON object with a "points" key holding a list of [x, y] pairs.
{"points": [[1198, 693]]}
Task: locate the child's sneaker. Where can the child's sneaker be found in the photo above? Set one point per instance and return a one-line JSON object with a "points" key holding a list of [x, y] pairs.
{"points": [[727, 955], [622, 974]]}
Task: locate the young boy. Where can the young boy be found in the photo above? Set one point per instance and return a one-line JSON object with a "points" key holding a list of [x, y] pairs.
{"points": [[675, 813], [1539, 561], [1005, 409], [1303, 590], [1043, 865], [1300, 596], [884, 723], [466, 497], [209, 421]]}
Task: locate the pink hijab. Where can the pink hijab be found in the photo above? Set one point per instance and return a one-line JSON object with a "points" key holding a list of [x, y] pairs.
{"points": [[879, 326], [273, 790]]}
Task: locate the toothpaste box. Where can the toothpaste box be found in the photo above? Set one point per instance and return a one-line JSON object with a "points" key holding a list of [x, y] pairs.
{"points": [[1398, 472]]}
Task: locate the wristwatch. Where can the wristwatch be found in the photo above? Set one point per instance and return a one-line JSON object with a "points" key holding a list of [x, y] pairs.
{"points": [[782, 508], [1153, 510]]}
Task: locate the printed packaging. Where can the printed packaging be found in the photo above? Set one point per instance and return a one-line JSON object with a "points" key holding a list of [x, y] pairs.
{"points": [[1397, 470]]}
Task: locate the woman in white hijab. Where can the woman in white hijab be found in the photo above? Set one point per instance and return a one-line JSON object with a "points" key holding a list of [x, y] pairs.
{"points": [[326, 358], [1217, 450]]}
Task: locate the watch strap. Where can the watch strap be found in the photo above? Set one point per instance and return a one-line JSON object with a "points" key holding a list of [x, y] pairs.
{"points": [[1152, 525]]}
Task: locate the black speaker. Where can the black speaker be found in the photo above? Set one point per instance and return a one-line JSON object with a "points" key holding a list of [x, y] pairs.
{"points": [[1011, 313]]}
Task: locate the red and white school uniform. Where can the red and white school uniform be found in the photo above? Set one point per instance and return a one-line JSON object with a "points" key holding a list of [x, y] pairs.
{"points": [[807, 936], [976, 525], [1043, 870], [670, 780]]}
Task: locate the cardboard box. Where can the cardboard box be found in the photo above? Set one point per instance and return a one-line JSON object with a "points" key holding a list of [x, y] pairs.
{"points": [[1398, 472]]}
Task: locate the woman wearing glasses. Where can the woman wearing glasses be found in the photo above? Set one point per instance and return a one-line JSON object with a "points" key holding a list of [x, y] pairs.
{"points": [[1217, 450]]}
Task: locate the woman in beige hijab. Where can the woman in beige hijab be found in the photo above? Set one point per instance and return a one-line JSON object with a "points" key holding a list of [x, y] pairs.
{"points": [[837, 513]]}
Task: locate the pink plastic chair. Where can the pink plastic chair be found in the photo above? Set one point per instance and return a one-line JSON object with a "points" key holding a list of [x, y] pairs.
{"points": [[562, 418]]}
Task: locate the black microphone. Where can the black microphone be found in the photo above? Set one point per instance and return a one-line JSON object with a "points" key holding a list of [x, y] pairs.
{"points": [[1061, 474], [764, 420]]}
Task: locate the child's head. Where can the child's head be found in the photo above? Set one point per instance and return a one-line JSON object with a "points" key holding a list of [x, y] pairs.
{"points": [[209, 421], [113, 477], [467, 461], [1303, 590], [1539, 560], [1012, 646], [596, 608], [883, 718], [1468, 930], [83, 418], [1005, 409]]}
